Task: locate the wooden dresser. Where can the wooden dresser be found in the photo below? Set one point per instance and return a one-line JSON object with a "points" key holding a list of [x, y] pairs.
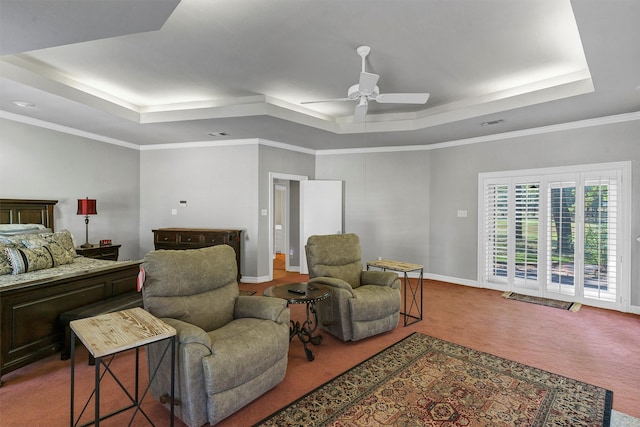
{"points": [[194, 238]]}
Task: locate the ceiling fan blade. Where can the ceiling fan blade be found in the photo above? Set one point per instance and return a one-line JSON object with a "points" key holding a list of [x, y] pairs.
{"points": [[361, 111], [402, 98], [367, 82], [326, 100]]}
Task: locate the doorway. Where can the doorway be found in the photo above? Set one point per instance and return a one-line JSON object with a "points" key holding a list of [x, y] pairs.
{"points": [[284, 220], [281, 231]]}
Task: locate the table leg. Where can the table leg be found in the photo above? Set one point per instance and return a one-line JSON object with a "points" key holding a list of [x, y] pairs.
{"points": [[412, 292], [73, 370], [97, 390], [173, 377], [305, 330]]}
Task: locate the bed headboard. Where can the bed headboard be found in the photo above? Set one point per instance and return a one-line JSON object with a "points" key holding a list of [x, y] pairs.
{"points": [[22, 211]]}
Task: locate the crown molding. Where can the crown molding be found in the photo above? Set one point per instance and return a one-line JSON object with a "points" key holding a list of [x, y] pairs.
{"points": [[620, 118]]}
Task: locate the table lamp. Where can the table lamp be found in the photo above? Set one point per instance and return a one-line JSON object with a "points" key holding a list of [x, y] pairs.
{"points": [[86, 207]]}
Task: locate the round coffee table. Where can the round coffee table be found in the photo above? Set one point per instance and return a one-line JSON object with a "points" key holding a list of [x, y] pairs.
{"points": [[301, 293]]}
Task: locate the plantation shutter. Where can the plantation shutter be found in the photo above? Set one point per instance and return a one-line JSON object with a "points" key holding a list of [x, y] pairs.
{"points": [[600, 267], [496, 224], [556, 233]]}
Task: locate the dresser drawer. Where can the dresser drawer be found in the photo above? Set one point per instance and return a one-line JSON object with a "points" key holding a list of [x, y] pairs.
{"points": [[165, 237], [190, 239], [212, 239]]}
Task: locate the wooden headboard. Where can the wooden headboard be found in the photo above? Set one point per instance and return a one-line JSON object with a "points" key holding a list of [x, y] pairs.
{"points": [[22, 211]]}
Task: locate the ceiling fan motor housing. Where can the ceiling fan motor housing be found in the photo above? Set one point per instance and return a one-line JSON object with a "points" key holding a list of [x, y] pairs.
{"points": [[354, 92]]}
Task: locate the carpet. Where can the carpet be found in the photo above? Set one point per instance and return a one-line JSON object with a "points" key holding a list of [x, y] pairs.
{"points": [[425, 381], [572, 306]]}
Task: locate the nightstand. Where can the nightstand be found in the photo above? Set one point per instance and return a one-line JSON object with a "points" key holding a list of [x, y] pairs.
{"points": [[108, 252]]}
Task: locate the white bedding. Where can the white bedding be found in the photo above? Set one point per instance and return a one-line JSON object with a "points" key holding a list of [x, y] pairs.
{"points": [[13, 229]]}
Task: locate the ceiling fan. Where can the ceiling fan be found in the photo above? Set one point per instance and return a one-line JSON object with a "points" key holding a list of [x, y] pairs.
{"points": [[366, 90]]}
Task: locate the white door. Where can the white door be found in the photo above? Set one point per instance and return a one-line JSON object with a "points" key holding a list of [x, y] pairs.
{"points": [[320, 212]]}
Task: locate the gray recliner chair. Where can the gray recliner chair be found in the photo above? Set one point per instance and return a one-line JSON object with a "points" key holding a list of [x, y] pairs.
{"points": [[230, 349], [362, 303]]}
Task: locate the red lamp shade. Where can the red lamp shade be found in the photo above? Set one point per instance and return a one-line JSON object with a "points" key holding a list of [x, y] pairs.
{"points": [[87, 206]]}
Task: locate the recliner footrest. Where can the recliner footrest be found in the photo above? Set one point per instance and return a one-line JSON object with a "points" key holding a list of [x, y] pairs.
{"points": [[121, 302]]}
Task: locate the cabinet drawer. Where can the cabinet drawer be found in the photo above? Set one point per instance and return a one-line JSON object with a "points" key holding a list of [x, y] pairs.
{"points": [[165, 237], [111, 254], [213, 239], [190, 239]]}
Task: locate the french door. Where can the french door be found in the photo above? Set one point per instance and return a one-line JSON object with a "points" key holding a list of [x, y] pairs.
{"points": [[556, 233]]}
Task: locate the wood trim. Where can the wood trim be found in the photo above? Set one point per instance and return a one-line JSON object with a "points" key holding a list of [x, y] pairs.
{"points": [[26, 211]]}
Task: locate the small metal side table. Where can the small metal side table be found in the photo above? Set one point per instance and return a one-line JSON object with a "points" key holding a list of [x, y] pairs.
{"points": [[112, 333], [301, 293], [414, 311]]}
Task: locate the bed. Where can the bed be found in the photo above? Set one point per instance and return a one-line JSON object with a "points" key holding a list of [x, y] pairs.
{"points": [[31, 303]]}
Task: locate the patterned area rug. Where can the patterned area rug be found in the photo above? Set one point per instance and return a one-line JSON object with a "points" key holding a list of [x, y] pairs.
{"points": [[424, 381], [572, 306]]}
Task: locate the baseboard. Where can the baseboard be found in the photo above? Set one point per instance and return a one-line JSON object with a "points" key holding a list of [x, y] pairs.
{"points": [[254, 279], [454, 280]]}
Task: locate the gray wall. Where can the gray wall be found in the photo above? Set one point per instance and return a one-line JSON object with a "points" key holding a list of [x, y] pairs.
{"points": [[219, 185], [387, 199], [402, 204], [423, 190], [38, 163], [224, 186]]}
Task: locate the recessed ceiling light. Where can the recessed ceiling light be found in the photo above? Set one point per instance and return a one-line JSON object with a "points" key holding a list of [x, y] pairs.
{"points": [[24, 104], [492, 122], [217, 134]]}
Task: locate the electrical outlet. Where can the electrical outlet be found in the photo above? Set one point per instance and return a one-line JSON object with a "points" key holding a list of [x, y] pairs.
{"points": [[462, 214]]}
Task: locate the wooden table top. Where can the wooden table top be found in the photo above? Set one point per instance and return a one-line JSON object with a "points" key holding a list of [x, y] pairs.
{"points": [[388, 264], [122, 330]]}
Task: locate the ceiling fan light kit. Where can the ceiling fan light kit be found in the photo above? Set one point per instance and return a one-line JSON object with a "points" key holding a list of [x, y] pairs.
{"points": [[367, 90]]}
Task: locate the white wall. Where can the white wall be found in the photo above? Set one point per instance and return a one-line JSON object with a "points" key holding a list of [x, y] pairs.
{"points": [[38, 163]]}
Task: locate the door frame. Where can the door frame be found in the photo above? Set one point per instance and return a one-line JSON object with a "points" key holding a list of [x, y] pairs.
{"points": [[286, 177]]}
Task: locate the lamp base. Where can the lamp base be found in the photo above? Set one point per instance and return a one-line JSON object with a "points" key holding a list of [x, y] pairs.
{"points": [[86, 245]]}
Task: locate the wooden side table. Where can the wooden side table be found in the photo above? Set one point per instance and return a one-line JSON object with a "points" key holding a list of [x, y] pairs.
{"points": [[112, 333], [108, 252], [409, 290]]}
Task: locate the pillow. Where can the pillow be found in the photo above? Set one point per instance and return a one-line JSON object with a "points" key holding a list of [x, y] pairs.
{"points": [[65, 239], [60, 255], [9, 229], [24, 260], [5, 265], [11, 241]]}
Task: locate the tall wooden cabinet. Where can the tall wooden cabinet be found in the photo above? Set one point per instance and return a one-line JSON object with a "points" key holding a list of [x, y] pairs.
{"points": [[194, 238]]}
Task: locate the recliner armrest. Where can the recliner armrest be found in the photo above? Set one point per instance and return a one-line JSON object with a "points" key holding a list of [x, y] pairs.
{"points": [[380, 278], [188, 333], [259, 307], [332, 282]]}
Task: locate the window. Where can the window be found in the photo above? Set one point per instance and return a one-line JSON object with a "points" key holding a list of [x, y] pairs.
{"points": [[556, 233]]}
